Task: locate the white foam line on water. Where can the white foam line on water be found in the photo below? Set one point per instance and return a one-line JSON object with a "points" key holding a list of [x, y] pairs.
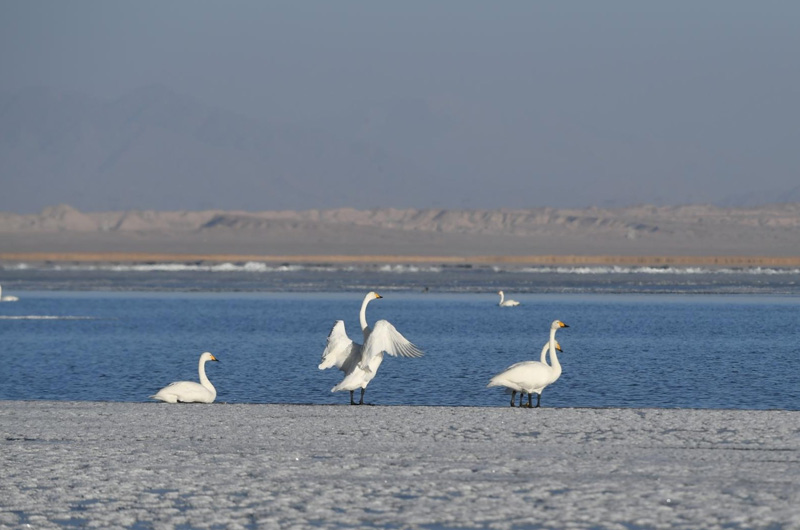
{"points": [[44, 317], [250, 266], [652, 270], [259, 267]]}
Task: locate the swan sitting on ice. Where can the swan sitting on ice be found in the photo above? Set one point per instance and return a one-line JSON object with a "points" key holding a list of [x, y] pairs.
{"points": [[360, 363], [189, 391], [506, 303], [7, 298], [532, 377]]}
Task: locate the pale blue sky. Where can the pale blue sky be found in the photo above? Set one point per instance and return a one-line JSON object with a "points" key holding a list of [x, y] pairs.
{"points": [[588, 102]]}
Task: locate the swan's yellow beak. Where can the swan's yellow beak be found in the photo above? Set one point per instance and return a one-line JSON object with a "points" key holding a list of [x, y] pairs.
{"points": [[214, 358], [562, 325], [558, 346], [378, 296]]}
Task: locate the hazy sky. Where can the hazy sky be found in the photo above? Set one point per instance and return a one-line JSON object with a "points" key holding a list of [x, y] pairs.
{"points": [[569, 103]]}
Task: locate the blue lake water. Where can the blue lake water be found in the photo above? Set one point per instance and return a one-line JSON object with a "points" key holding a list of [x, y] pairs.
{"points": [[701, 339]]}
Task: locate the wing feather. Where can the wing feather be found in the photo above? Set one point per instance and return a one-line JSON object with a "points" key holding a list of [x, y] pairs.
{"points": [[385, 338], [338, 349]]}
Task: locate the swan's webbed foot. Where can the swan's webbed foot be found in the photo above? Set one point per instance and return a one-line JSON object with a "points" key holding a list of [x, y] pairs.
{"points": [[528, 405]]}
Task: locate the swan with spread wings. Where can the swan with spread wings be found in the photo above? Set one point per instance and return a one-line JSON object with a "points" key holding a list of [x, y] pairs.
{"points": [[360, 363]]}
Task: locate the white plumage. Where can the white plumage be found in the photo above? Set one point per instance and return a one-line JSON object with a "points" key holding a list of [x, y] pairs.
{"points": [[189, 391], [7, 298], [506, 303], [521, 367], [532, 377], [360, 362]]}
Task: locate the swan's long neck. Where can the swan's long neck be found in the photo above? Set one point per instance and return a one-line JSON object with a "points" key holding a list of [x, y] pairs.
{"points": [[543, 359], [363, 316], [201, 370], [553, 357], [502, 297]]}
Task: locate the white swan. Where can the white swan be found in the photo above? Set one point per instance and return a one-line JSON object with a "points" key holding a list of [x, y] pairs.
{"points": [[189, 391], [506, 303], [532, 377], [7, 298], [542, 360], [360, 363]]}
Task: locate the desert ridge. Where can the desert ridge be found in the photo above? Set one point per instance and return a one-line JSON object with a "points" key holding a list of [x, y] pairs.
{"points": [[652, 236], [543, 260]]}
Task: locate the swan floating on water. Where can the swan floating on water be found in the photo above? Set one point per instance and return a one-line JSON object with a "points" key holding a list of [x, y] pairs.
{"points": [[189, 391], [506, 303], [532, 377], [360, 363], [7, 298]]}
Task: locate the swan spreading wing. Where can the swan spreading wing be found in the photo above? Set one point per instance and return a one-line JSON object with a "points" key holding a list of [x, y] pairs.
{"points": [[385, 338], [339, 350]]}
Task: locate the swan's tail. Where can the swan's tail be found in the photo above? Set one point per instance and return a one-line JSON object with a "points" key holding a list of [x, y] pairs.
{"points": [[340, 386]]}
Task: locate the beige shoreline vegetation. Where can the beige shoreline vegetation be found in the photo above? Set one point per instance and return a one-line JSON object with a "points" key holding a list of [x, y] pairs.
{"points": [[653, 261]]}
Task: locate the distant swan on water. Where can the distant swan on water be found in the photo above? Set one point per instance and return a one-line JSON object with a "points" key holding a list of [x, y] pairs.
{"points": [[189, 391], [360, 363], [506, 303], [532, 377], [7, 298]]}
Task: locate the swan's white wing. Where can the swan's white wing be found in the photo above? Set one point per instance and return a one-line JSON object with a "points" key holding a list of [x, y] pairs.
{"points": [[338, 349], [185, 392], [385, 338]]}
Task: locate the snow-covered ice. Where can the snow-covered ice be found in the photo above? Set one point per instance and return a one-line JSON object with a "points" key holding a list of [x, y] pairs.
{"points": [[153, 465]]}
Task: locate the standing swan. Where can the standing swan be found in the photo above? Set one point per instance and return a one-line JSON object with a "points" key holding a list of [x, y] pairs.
{"points": [[189, 391], [532, 377], [7, 298], [360, 363], [506, 303], [542, 360]]}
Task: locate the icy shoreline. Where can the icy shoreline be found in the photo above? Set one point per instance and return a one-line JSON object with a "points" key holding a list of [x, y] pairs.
{"points": [[142, 465]]}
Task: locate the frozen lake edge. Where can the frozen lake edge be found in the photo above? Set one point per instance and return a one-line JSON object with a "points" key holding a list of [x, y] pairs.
{"points": [[153, 465]]}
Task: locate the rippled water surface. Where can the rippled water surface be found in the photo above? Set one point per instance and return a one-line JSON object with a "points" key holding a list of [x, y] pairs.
{"points": [[621, 349]]}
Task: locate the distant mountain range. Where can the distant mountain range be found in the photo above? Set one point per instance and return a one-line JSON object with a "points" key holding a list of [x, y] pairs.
{"points": [[625, 222], [641, 230]]}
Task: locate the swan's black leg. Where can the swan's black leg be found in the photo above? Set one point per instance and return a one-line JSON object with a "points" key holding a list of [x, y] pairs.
{"points": [[361, 402], [513, 396], [530, 399], [521, 397], [352, 402], [538, 400]]}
